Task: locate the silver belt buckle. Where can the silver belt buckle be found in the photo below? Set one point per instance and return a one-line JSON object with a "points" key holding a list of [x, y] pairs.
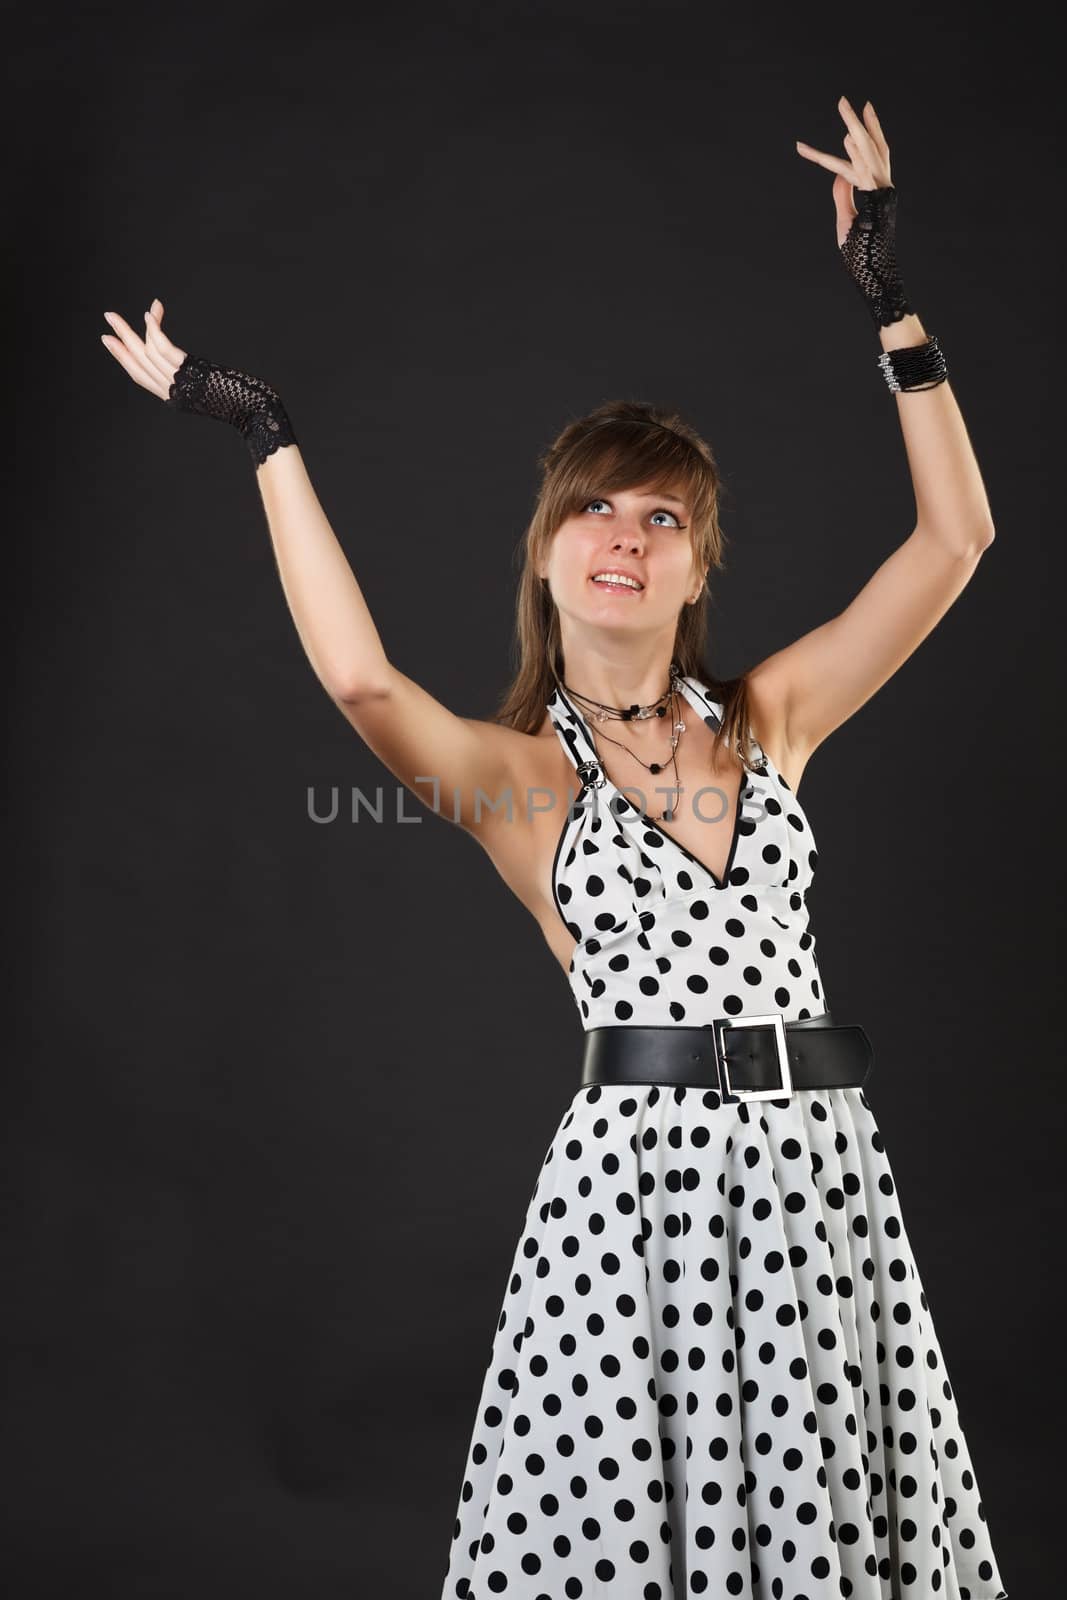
{"points": [[773, 1019]]}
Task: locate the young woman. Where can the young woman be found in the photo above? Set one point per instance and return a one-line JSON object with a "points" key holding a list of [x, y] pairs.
{"points": [[715, 1370]]}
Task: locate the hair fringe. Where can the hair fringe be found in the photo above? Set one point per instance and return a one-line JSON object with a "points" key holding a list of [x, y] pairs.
{"points": [[618, 445]]}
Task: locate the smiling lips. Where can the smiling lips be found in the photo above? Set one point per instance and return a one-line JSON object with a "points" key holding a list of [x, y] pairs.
{"points": [[615, 581]]}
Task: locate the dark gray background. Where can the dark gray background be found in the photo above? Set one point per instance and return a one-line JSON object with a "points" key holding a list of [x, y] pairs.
{"points": [[281, 1090]]}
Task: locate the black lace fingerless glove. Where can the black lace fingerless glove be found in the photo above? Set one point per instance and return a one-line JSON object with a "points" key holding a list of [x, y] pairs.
{"points": [[869, 255], [249, 404]]}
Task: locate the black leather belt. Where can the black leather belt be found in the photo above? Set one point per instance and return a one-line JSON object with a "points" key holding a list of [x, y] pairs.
{"points": [[745, 1058]]}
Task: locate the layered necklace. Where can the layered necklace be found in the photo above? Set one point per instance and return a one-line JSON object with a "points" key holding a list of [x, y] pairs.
{"points": [[601, 713]]}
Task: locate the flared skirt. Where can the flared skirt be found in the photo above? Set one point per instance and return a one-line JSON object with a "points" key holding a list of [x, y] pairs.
{"points": [[715, 1371]]}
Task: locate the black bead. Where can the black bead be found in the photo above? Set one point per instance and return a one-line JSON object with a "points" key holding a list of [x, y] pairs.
{"points": [[655, 767]]}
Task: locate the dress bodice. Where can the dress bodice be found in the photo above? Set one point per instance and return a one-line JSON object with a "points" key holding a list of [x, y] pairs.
{"points": [[661, 939]]}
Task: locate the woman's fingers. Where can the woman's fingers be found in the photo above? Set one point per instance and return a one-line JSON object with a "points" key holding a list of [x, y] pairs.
{"points": [[156, 360], [871, 119], [831, 163], [146, 379], [861, 136], [162, 351], [121, 327], [155, 354], [132, 342], [862, 157], [131, 353], [865, 143]]}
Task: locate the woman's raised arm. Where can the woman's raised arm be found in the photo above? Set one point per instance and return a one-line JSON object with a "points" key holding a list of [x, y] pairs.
{"points": [[425, 745], [324, 597]]}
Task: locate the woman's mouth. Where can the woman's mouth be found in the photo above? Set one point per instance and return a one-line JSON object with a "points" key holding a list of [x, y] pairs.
{"points": [[615, 583]]}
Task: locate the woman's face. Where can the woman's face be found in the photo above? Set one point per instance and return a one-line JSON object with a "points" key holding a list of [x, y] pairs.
{"points": [[640, 532]]}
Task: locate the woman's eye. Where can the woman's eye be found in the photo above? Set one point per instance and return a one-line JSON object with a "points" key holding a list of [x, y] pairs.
{"points": [[659, 513]]}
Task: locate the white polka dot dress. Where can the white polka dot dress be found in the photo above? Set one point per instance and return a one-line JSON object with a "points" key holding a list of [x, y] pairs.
{"points": [[715, 1371]]}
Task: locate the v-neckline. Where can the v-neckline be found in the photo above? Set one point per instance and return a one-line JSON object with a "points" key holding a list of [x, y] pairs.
{"points": [[688, 692]]}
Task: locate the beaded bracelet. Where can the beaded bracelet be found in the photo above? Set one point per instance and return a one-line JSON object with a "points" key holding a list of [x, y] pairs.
{"points": [[917, 366]]}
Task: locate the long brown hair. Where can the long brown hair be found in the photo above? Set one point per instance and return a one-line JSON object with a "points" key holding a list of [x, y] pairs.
{"points": [[620, 444]]}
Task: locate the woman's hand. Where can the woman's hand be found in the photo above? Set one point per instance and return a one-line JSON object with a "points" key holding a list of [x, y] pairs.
{"points": [[192, 383], [866, 232], [151, 361], [866, 168]]}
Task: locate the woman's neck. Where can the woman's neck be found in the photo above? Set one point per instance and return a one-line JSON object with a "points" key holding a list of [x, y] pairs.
{"points": [[619, 686]]}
